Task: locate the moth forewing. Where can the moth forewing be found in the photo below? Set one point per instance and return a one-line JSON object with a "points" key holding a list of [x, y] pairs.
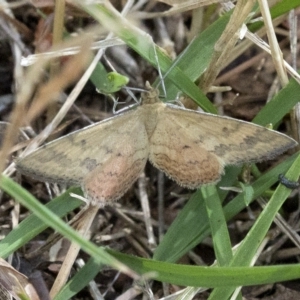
{"points": [[234, 141], [69, 159], [193, 147]]}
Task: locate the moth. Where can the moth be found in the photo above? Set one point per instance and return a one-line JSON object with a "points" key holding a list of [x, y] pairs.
{"points": [[190, 147]]}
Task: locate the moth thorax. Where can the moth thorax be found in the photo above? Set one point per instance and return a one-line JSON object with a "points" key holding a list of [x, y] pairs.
{"points": [[150, 97], [150, 118]]}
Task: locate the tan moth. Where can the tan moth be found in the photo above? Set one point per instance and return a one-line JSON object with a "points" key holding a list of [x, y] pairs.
{"points": [[190, 147]]}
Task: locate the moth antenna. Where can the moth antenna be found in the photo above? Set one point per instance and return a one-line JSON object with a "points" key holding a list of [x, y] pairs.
{"points": [[109, 63], [158, 68], [115, 101], [177, 100]]}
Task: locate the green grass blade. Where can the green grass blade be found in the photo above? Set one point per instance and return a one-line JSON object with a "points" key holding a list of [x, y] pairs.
{"points": [[183, 234], [258, 231], [32, 225], [80, 280], [279, 9], [218, 225], [52, 220], [209, 276], [280, 105]]}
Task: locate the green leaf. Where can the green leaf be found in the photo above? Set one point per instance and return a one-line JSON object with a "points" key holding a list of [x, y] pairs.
{"points": [[107, 83]]}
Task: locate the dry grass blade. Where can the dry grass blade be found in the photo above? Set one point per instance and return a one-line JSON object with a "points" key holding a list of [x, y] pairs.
{"points": [[68, 75], [45, 95], [275, 49], [177, 7], [16, 283], [226, 42], [84, 226]]}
